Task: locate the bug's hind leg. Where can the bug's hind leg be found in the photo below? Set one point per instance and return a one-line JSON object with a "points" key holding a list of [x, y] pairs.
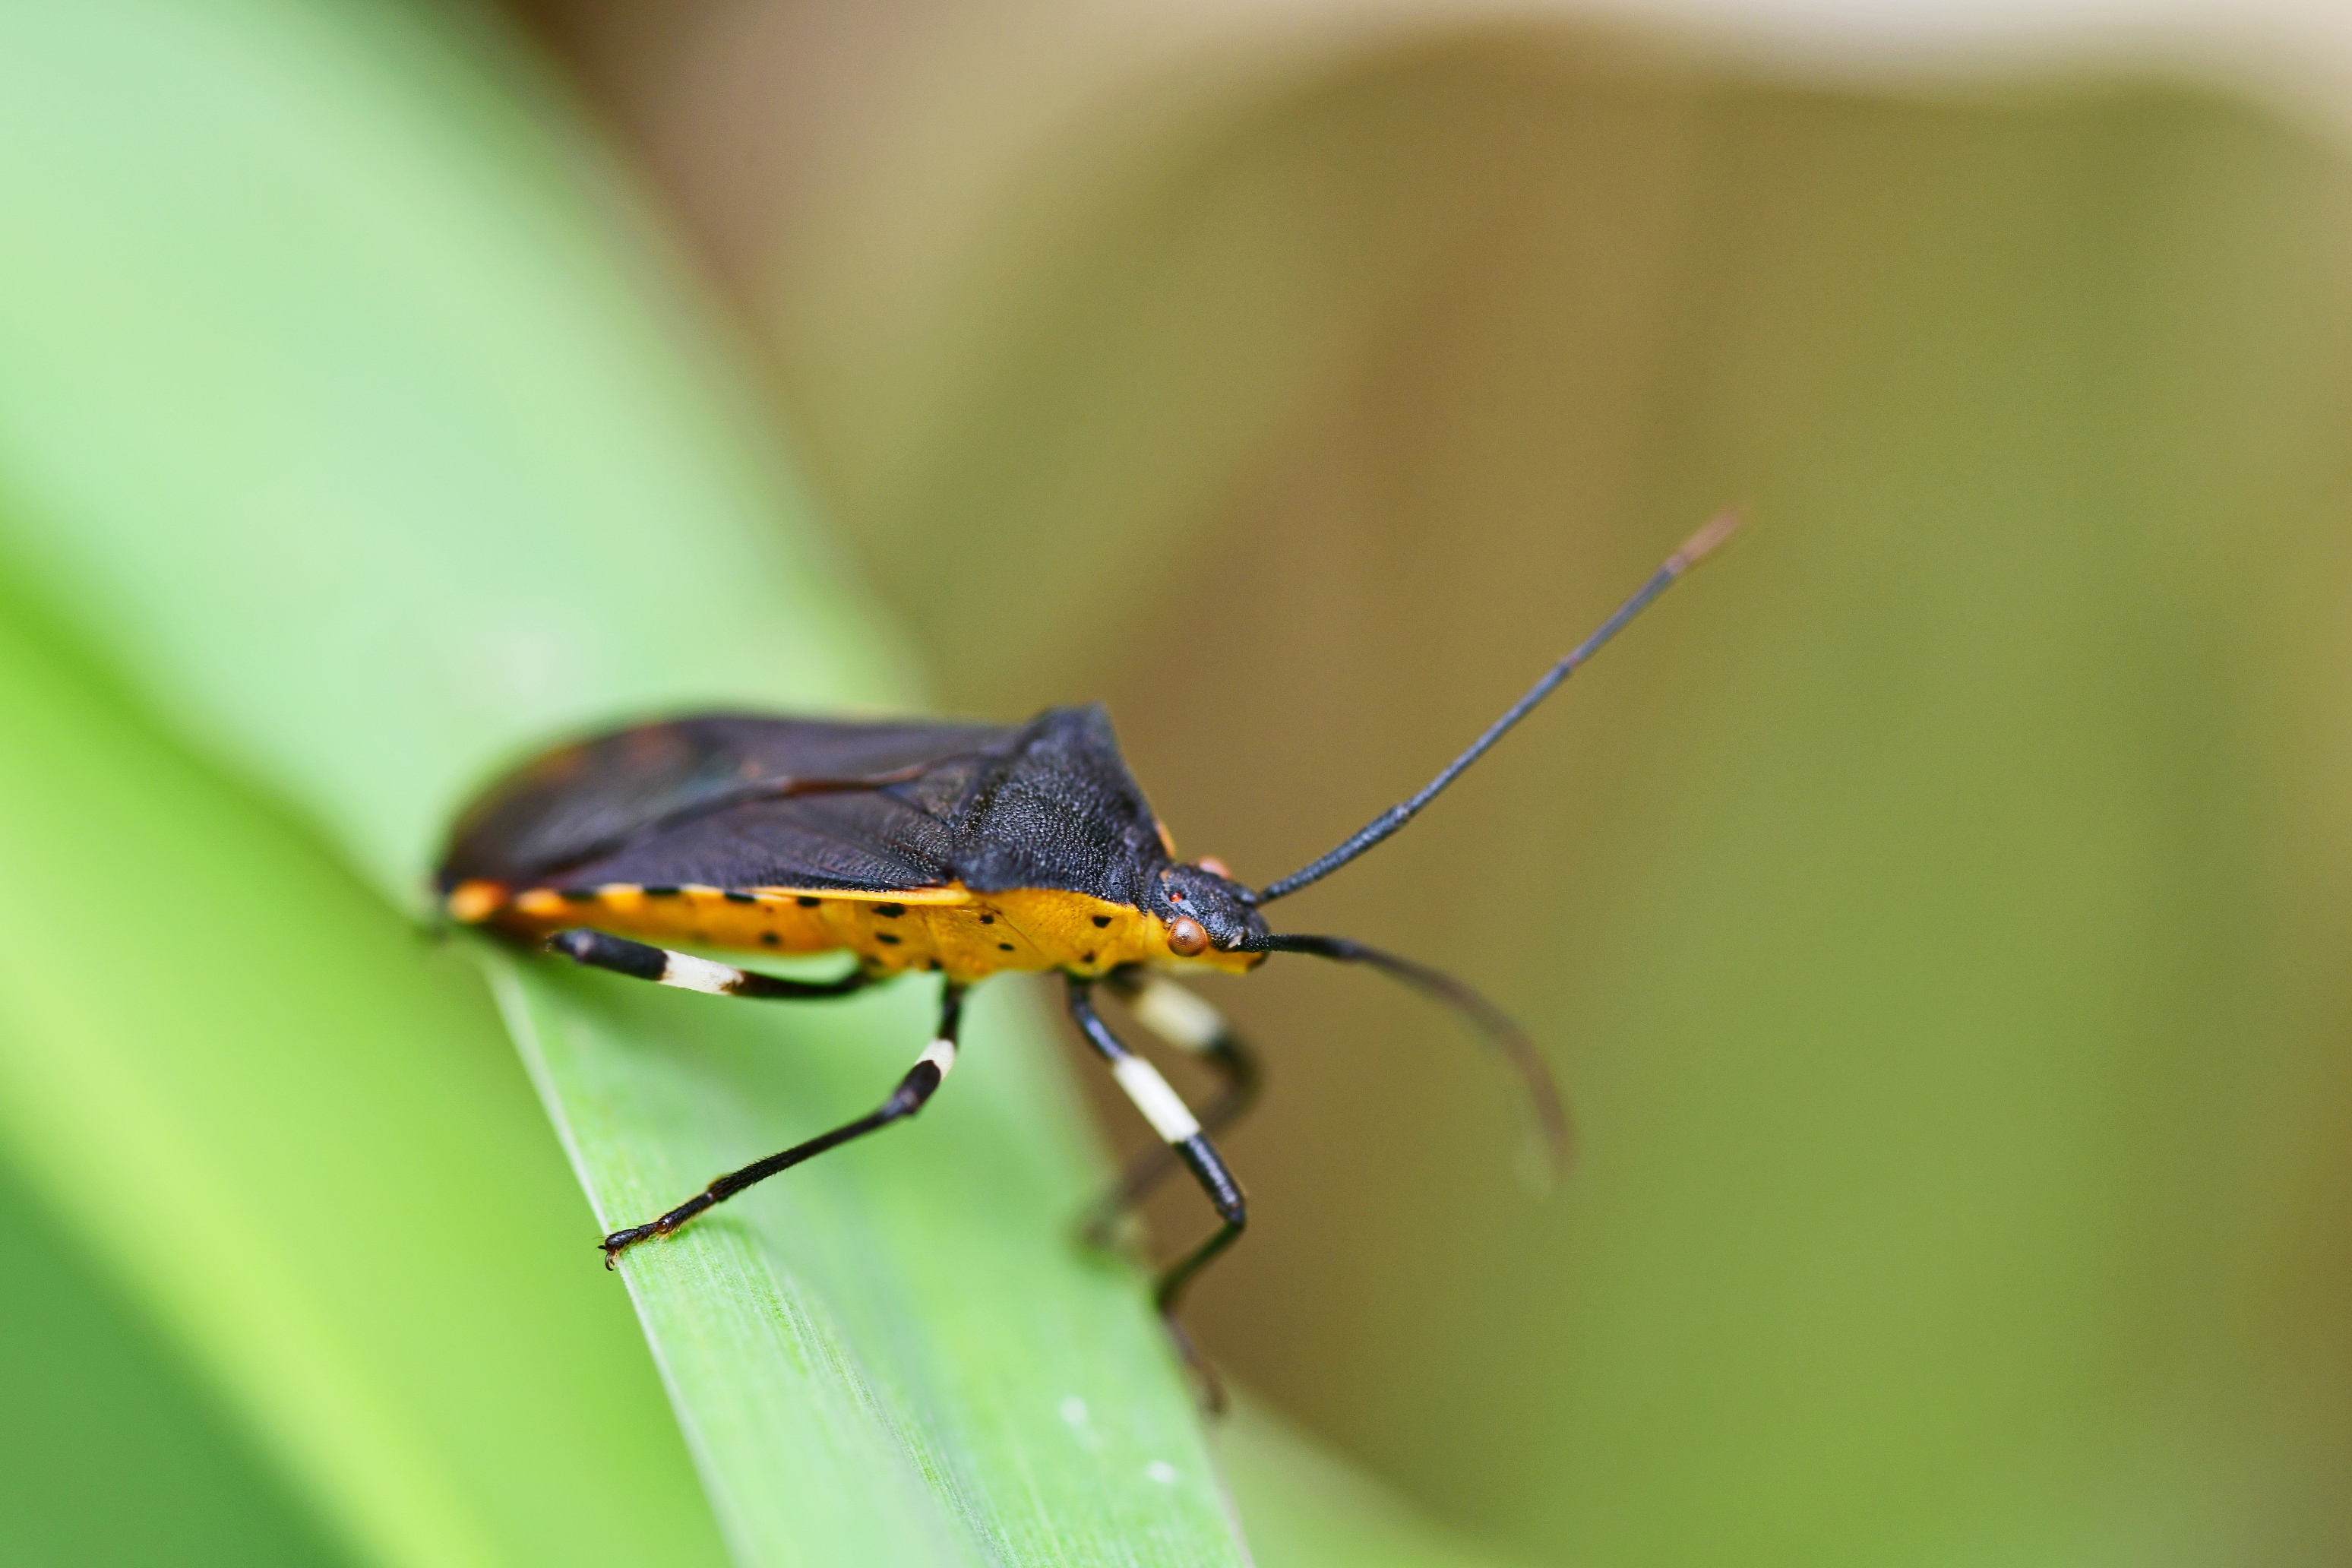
{"points": [[914, 1090], [1191, 1025], [659, 964], [1175, 1123]]}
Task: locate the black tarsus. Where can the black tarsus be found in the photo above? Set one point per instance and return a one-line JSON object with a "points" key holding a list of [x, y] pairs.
{"points": [[914, 1090], [1500, 1029], [1694, 550], [1225, 1196]]}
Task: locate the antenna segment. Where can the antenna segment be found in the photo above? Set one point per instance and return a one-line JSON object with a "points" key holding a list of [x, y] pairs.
{"points": [[1695, 550]]}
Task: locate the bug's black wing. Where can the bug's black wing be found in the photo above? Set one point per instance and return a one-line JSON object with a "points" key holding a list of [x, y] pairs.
{"points": [[615, 796], [865, 840], [732, 802]]}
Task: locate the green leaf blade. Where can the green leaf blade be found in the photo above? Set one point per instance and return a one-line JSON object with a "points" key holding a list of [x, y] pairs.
{"points": [[347, 433], [291, 1129]]}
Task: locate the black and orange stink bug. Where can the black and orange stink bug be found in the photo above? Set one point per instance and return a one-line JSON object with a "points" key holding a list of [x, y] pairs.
{"points": [[959, 849]]}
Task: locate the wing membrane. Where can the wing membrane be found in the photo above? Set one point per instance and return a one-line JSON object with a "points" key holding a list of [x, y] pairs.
{"points": [[865, 841], [724, 791]]}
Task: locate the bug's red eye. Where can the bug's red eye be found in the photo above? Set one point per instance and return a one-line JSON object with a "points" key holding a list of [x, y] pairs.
{"points": [[1185, 936]]}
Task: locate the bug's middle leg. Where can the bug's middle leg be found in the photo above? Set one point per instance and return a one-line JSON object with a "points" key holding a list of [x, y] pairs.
{"points": [[1191, 1025], [1181, 1130], [922, 1080]]}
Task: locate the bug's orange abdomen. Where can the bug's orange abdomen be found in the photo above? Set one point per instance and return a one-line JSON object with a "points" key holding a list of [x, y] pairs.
{"points": [[967, 935]]}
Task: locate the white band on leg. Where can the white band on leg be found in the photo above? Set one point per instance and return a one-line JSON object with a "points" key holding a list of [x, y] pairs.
{"points": [[1178, 1016], [1169, 1115], [699, 974]]}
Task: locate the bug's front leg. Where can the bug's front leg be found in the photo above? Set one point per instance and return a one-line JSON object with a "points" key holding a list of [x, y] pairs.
{"points": [[1181, 1130], [914, 1090], [1191, 1025]]}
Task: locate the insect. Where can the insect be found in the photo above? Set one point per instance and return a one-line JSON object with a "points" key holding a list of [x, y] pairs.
{"points": [[959, 850]]}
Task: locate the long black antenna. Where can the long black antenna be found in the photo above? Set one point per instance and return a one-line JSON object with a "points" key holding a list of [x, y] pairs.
{"points": [[1543, 1096], [1692, 551]]}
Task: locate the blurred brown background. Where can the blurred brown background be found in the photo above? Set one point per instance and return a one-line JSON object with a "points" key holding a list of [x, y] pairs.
{"points": [[1935, 909]]}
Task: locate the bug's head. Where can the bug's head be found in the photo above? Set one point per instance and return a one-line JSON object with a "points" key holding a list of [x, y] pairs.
{"points": [[1208, 916]]}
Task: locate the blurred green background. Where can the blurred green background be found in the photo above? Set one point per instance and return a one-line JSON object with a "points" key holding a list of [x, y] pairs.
{"points": [[1935, 908]]}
